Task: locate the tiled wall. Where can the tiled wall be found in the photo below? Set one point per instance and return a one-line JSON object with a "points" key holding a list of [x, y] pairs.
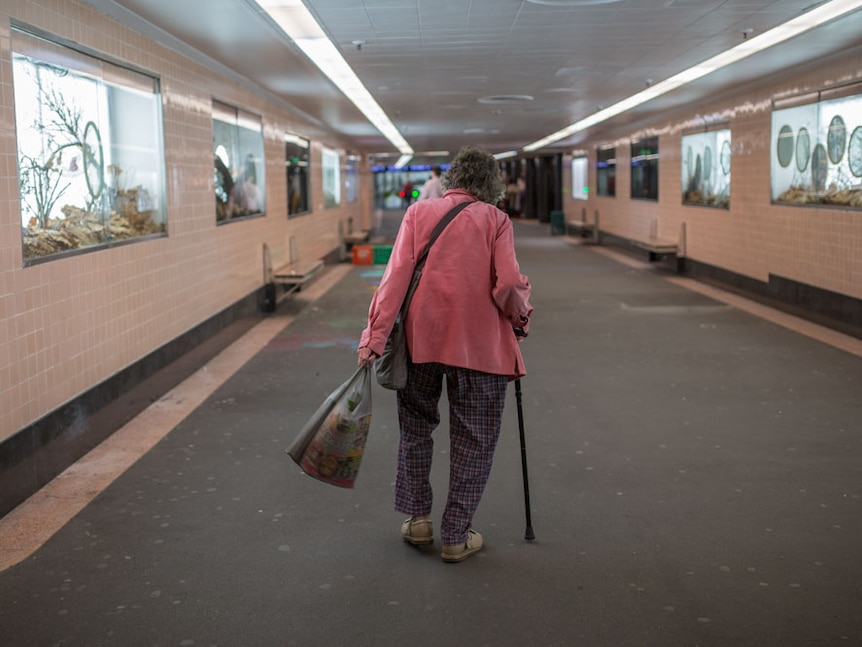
{"points": [[819, 247], [68, 324]]}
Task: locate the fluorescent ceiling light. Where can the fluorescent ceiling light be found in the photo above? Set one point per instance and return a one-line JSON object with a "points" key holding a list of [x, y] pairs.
{"points": [[300, 26], [302, 142], [402, 161], [799, 25], [506, 155]]}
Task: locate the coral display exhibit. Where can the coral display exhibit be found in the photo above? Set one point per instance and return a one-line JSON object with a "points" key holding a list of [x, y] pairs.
{"points": [[90, 157]]}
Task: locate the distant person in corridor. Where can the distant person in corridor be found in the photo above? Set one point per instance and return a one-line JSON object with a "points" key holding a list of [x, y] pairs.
{"points": [[459, 326], [433, 188], [407, 193]]}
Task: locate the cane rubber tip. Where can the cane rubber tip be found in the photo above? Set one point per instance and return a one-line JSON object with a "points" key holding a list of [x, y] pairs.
{"points": [[529, 535]]}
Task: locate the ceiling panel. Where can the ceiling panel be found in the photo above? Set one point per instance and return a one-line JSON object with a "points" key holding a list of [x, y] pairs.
{"points": [[428, 62]]}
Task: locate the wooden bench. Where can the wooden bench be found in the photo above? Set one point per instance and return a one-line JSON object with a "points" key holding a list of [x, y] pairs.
{"points": [[289, 278], [579, 228], [662, 248], [583, 229], [295, 275], [657, 248], [356, 238]]}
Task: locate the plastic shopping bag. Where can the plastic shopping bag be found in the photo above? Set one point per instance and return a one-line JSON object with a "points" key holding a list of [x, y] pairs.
{"points": [[331, 444]]}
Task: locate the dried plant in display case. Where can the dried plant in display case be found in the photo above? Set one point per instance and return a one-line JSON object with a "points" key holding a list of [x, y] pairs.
{"points": [[40, 184]]}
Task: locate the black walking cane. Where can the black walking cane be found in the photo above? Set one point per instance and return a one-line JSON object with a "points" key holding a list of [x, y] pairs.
{"points": [[529, 535]]}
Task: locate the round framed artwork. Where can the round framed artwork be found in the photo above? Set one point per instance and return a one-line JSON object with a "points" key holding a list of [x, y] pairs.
{"points": [[819, 168], [707, 163], [803, 149], [836, 138], [854, 152], [724, 158], [784, 146]]}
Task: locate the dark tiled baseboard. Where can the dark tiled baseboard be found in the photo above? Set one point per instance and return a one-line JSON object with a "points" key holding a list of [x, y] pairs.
{"points": [[831, 309], [36, 454]]}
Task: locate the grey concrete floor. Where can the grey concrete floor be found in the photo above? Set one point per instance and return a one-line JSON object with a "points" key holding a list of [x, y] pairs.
{"points": [[695, 475]]}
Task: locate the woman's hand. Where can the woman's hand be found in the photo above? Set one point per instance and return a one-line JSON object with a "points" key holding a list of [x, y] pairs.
{"points": [[365, 356]]}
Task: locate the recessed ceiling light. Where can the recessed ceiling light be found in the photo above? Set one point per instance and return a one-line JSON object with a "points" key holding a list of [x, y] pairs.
{"points": [[572, 3]]}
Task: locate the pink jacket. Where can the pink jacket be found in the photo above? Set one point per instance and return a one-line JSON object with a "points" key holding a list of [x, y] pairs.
{"points": [[471, 294]]}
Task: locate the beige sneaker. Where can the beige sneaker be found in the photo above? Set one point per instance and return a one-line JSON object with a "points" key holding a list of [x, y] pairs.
{"points": [[417, 531], [460, 552]]}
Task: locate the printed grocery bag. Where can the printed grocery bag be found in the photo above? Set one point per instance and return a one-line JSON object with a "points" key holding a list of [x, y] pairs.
{"points": [[331, 444]]}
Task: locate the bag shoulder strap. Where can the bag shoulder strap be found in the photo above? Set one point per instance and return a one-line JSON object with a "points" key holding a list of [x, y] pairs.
{"points": [[438, 229], [420, 262]]}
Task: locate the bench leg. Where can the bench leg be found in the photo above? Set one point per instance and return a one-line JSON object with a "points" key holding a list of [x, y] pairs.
{"points": [[269, 297]]}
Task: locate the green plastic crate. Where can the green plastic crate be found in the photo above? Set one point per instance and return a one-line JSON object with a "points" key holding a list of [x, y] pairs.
{"points": [[382, 254]]}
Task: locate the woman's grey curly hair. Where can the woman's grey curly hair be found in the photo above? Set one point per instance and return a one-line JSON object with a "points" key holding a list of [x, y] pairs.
{"points": [[477, 172]]}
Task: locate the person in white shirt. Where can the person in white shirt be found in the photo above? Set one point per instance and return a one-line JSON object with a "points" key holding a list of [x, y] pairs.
{"points": [[432, 188]]}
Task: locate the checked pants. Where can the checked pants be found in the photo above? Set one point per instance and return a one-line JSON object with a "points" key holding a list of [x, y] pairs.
{"points": [[476, 402]]}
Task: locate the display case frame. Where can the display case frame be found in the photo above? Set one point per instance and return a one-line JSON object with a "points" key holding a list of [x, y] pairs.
{"points": [[606, 171], [645, 168], [239, 170], [90, 148], [331, 165], [580, 177], [351, 177], [297, 164], [705, 169], [816, 148]]}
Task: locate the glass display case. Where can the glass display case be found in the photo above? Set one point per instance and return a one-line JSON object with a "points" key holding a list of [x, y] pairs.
{"points": [[296, 162], [606, 171], [240, 181], [817, 149], [331, 178], [580, 169], [90, 149], [644, 161], [706, 168], [351, 186]]}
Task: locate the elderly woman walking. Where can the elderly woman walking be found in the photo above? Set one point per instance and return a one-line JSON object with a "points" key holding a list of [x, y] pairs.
{"points": [[459, 326]]}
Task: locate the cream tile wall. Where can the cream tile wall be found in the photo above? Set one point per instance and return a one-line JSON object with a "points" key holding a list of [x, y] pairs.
{"points": [[821, 247], [68, 324]]}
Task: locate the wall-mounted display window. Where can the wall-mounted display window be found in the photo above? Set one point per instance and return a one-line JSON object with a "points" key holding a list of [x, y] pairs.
{"points": [[331, 178], [606, 171], [644, 183], [706, 168], [296, 162], [90, 149], [580, 171], [817, 150], [240, 189], [351, 180]]}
